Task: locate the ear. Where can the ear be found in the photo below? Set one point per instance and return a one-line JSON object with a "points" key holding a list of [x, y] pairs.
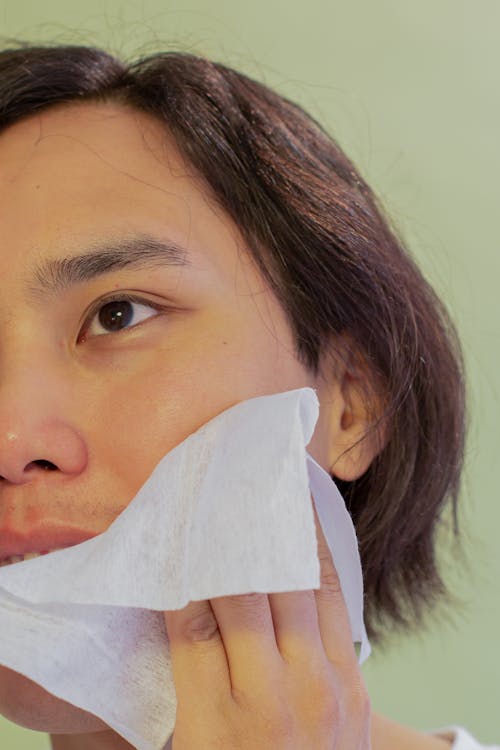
{"points": [[351, 407]]}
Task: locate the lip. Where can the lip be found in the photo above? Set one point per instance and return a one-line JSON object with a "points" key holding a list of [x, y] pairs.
{"points": [[41, 539]]}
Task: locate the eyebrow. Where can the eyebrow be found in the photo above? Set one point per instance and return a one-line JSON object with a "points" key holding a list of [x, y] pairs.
{"points": [[56, 275]]}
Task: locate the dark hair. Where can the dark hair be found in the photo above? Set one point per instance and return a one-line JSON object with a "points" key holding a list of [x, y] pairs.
{"points": [[339, 270]]}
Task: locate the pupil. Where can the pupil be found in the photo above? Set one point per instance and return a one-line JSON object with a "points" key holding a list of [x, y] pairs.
{"points": [[114, 313]]}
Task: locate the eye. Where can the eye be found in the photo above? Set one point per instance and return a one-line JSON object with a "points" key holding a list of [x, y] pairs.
{"points": [[117, 313]]}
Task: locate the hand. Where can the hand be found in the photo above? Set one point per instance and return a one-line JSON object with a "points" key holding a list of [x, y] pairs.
{"points": [[259, 671]]}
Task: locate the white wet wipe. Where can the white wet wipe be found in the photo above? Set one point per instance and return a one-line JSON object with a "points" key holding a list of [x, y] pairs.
{"points": [[227, 511]]}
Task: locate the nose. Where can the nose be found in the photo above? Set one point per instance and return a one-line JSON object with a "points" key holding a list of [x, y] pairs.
{"points": [[38, 433]]}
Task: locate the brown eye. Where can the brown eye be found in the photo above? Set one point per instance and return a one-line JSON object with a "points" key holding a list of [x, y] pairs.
{"points": [[118, 314]]}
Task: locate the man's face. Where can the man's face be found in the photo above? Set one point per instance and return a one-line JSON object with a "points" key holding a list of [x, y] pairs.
{"points": [[103, 399]]}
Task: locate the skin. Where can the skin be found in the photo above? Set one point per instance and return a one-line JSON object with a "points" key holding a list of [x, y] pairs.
{"points": [[223, 340]]}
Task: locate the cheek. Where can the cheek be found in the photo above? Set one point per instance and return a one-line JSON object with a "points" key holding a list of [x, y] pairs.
{"points": [[148, 419], [141, 416], [29, 705]]}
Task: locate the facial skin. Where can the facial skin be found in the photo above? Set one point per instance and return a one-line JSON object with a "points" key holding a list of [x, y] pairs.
{"points": [[106, 408]]}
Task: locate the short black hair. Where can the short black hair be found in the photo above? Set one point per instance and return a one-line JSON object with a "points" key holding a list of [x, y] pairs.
{"points": [[337, 266]]}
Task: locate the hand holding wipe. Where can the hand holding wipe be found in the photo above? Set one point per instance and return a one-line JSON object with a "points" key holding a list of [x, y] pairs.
{"points": [[104, 624], [275, 670]]}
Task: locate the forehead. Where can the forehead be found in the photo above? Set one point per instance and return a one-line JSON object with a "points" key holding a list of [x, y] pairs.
{"points": [[94, 130], [87, 140], [76, 172]]}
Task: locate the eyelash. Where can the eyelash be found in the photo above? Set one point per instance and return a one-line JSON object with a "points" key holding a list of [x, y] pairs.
{"points": [[121, 297]]}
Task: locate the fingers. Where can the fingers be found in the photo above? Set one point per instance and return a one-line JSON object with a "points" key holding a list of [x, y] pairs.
{"points": [[333, 617], [296, 626], [226, 645], [247, 629], [309, 624], [199, 664]]}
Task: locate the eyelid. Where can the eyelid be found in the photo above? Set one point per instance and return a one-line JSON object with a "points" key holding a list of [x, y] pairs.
{"points": [[126, 296]]}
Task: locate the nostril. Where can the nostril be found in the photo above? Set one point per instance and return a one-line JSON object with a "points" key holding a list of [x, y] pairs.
{"points": [[47, 465]]}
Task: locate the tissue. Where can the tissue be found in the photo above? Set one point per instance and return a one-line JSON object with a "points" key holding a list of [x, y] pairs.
{"points": [[227, 511]]}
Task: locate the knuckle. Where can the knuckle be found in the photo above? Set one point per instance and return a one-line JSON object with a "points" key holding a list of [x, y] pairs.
{"points": [[202, 626], [327, 712], [325, 703], [357, 698], [252, 607], [332, 703], [245, 601], [271, 713], [329, 580], [279, 726]]}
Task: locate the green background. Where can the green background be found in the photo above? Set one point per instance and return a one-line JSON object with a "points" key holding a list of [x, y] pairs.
{"points": [[411, 92]]}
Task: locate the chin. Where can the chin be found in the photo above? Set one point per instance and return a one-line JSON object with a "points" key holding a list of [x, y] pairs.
{"points": [[26, 703]]}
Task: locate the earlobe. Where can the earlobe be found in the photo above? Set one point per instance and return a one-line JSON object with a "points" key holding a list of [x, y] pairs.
{"points": [[354, 439], [354, 458]]}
